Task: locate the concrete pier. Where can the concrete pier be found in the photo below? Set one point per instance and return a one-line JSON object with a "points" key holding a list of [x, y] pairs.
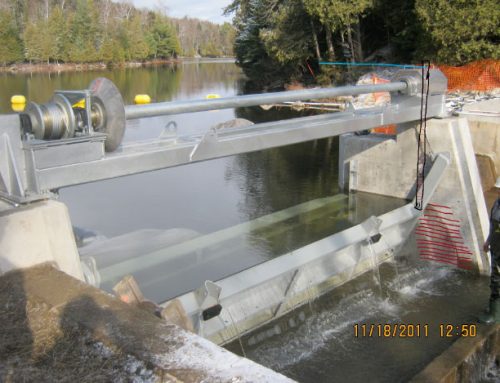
{"points": [[38, 233], [387, 165]]}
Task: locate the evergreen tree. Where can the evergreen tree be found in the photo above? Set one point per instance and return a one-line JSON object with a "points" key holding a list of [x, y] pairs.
{"points": [[84, 33], [11, 47], [459, 31]]}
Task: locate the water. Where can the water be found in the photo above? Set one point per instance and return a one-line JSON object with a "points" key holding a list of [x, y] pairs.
{"points": [[317, 342], [201, 198]]}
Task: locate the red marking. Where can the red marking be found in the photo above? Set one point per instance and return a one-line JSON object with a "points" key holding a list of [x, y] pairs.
{"points": [[424, 219], [436, 205], [438, 211], [440, 229], [435, 249], [440, 240], [442, 244], [448, 256], [447, 219], [424, 231]]}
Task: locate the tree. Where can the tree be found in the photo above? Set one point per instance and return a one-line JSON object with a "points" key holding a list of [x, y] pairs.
{"points": [[162, 40], [458, 31], [11, 46], [288, 38], [84, 33], [339, 16]]}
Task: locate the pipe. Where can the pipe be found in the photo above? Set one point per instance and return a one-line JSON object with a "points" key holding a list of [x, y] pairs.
{"points": [[178, 107]]}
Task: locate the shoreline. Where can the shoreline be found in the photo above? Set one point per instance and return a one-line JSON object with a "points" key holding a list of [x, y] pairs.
{"points": [[81, 67]]}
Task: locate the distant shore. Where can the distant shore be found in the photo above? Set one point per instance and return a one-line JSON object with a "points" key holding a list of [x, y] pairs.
{"points": [[76, 67]]}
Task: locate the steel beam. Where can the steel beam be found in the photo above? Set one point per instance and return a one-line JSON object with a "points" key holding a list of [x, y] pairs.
{"points": [[166, 153]]}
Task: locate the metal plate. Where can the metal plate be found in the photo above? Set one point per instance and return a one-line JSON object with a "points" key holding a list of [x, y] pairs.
{"points": [[108, 102]]}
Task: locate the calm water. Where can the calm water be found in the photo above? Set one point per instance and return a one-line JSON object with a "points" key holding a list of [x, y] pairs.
{"points": [[192, 201], [197, 199]]}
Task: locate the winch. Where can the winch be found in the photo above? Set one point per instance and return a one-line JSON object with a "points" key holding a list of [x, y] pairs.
{"points": [[67, 141], [99, 108]]}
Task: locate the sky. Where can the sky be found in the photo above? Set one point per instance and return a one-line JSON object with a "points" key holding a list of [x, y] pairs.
{"points": [[202, 9]]}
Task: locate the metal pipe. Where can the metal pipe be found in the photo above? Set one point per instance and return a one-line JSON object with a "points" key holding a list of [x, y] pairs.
{"points": [[178, 107]]}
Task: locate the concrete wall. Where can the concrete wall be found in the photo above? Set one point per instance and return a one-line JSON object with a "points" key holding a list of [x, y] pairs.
{"points": [[387, 166], [484, 124], [38, 233]]}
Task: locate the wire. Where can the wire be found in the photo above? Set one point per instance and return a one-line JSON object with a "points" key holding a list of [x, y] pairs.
{"points": [[422, 136]]}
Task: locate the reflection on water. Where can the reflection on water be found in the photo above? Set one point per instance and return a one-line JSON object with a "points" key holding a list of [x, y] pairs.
{"points": [[206, 197], [164, 83]]}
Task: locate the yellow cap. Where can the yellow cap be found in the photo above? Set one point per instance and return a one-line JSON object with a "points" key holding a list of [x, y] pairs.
{"points": [[142, 99], [18, 99], [212, 95], [18, 107]]}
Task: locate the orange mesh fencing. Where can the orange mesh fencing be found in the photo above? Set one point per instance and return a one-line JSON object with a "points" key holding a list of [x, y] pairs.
{"points": [[481, 76]]}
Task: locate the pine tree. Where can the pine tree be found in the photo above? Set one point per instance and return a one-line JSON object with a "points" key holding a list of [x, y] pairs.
{"points": [[459, 31], [11, 47]]}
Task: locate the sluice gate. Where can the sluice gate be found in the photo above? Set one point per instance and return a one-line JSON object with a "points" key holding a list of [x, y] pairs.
{"points": [[76, 138]]}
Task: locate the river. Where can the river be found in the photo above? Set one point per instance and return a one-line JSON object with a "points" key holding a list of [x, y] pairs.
{"points": [[206, 197]]}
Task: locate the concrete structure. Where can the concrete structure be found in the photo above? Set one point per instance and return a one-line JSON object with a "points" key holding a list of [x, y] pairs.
{"points": [[221, 311], [483, 118], [383, 165], [466, 360], [38, 233]]}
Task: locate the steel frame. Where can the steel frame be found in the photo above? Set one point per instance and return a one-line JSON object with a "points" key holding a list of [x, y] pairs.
{"points": [[44, 166]]}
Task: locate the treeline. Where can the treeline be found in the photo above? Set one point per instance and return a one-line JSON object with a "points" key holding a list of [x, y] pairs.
{"points": [[203, 38], [86, 31], [283, 39]]}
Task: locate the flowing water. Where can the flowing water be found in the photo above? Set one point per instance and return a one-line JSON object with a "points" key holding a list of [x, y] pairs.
{"points": [[325, 341], [314, 343]]}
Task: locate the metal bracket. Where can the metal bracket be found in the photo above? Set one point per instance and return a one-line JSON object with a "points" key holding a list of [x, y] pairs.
{"points": [[205, 146], [10, 178], [207, 297]]}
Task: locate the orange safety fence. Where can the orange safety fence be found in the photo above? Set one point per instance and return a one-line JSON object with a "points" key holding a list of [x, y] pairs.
{"points": [[480, 76]]}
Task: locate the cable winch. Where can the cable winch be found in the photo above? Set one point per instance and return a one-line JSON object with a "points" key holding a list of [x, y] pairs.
{"points": [[69, 114], [67, 140]]}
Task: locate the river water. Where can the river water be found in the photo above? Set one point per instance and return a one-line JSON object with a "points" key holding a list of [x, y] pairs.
{"points": [[196, 200]]}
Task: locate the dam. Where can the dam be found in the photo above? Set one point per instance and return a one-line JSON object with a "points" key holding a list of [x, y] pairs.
{"points": [[186, 273]]}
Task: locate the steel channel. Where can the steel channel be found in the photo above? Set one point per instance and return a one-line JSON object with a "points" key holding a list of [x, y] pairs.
{"points": [[179, 107]]}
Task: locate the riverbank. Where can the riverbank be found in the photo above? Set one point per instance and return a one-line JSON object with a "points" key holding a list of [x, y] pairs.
{"points": [[83, 67], [76, 67]]}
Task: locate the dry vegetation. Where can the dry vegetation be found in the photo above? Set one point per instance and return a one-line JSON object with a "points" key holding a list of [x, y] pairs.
{"points": [[39, 344]]}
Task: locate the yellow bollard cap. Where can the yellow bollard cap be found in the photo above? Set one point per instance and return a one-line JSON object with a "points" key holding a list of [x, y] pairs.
{"points": [[18, 107], [18, 99], [142, 99]]}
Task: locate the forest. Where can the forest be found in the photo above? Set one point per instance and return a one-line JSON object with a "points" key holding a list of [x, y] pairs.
{"points": [[112, 32], [281, 40]]}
